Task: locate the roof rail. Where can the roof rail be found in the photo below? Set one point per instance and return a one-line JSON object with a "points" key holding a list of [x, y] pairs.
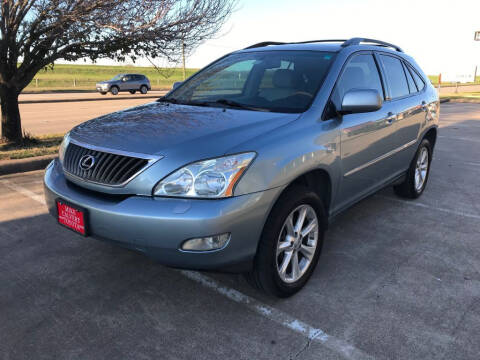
{"points": [[266, 43], [345, 43], [358, 41]]}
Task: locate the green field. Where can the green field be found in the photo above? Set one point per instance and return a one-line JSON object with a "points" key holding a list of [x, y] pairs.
{"points": [[84, 77], [434, 80]]}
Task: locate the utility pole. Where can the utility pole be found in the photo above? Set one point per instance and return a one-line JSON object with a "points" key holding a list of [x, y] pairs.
{"points": [[476, 38], [183, 60]]}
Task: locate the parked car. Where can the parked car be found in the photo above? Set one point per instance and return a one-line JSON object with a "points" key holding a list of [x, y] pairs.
{"points": [[125, 82], [242, 167]]}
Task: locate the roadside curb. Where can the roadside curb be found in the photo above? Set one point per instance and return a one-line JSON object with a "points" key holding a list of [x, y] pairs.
{"points": [[471, 101], [23, 165], [444, 100]]}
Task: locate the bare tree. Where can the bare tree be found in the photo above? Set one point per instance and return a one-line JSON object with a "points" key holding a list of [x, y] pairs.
{"points": [[36, 33]]}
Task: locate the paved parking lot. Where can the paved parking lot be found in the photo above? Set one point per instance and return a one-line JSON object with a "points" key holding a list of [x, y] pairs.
{"points": [[397, 280], [41, 117]]}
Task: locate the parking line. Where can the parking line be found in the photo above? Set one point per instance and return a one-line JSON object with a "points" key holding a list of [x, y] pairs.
{"points": [[311, 334], [425, 206], [457, 138], [22, 190]]}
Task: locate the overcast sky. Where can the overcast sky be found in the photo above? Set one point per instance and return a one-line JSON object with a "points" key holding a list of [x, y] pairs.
{"points": [[437, 33]]}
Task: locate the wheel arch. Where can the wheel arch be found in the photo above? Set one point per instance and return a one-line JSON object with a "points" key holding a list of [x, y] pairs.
{"points": [[320, 182], [431, 136]]}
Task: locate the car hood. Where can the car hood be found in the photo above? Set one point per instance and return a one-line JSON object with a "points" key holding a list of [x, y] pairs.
{"points": [[164, 129]]}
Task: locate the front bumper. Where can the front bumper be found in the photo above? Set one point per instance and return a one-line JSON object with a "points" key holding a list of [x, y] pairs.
{"points": [[158, 226], [102, 89]]}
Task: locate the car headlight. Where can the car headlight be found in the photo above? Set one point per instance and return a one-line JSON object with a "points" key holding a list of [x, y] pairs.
{"points": [[213, 178], [63, 147]]}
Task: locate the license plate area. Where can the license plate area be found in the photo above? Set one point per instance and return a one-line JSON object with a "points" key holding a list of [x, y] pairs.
{"points": [[72, 217]]}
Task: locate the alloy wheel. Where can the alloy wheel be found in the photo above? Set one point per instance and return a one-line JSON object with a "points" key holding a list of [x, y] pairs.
{"points": [[421, 169], [297, 243]]}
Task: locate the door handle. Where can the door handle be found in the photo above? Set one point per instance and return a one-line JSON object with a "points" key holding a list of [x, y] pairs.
{"points": [[424, 106], [391, 117]]}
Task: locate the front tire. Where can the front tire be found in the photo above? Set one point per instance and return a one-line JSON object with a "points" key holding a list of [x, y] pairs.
{"points": [[291, 243], [114, 90], [132, 91], [143, 89], [417, 174]]}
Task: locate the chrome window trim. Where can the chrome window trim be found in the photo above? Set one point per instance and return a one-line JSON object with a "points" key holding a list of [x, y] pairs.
{"points": [[152, 159], [380, 158]]}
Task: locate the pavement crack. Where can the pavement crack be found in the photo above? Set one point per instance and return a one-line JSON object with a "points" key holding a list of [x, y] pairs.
{"points": [[307, 345]]}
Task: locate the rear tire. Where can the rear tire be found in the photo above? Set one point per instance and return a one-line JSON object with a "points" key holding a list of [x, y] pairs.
{"points": [[417, 174], [103, 93], [281, 251], [114, 90], [132, 91], [143, 89]]}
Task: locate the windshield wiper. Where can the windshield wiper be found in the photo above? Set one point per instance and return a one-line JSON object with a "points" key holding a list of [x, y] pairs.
{"points": [[237, 105], [168, 100]]}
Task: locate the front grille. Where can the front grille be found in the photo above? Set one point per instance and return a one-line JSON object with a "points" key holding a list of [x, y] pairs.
{"points": [[108, 169]]}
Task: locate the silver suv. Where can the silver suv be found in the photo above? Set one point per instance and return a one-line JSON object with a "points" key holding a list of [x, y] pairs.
{"points": [[243, 166], [125, 82]]}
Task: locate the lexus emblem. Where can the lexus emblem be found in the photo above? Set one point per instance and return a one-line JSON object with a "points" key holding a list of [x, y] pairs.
{"points": [[86, 162]]}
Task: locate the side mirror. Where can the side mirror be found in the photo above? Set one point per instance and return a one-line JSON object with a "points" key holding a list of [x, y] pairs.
{"points": [[124, 79], [360, 101], [177, 84]]}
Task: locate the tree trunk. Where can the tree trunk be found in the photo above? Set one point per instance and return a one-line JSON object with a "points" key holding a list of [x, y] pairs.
{"points": [[11, 124]]}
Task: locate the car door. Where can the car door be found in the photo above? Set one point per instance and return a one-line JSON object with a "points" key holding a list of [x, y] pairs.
{"points": [[404, 96], [366, 138], [128, 82], [136, 82]]}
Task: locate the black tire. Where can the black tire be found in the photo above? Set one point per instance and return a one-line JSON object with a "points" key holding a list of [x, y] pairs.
{"points": [[114, 90], [132, 91], [103, 93], [264, 275], [143, 89], [408, 188]]}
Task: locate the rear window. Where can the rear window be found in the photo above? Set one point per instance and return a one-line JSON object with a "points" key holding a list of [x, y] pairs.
{"points": [[418, 80], [411, 83], [395, 75]]}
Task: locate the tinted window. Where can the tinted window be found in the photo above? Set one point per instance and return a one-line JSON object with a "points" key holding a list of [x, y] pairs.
{"points": [[280, 81], [395, 75], [411, 83], [418, 80], [360, 73]]}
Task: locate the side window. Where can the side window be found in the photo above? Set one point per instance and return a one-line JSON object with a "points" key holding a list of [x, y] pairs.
{"points": [[411, 83], [361, 72], [418, 80], [395, 75]]}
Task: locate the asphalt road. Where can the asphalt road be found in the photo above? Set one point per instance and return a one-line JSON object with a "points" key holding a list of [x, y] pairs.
{"points": [[397, 280], [59, 117]]}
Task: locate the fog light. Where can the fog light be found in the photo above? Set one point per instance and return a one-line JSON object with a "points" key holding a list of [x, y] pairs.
{"points": [[208, 243]]}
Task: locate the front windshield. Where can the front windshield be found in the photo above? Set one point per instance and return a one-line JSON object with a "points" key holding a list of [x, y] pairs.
{"points": [[279, 81], [118, 77]]}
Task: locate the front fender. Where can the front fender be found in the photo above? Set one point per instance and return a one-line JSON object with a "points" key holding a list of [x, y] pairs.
{"points": [[290, 152]]}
